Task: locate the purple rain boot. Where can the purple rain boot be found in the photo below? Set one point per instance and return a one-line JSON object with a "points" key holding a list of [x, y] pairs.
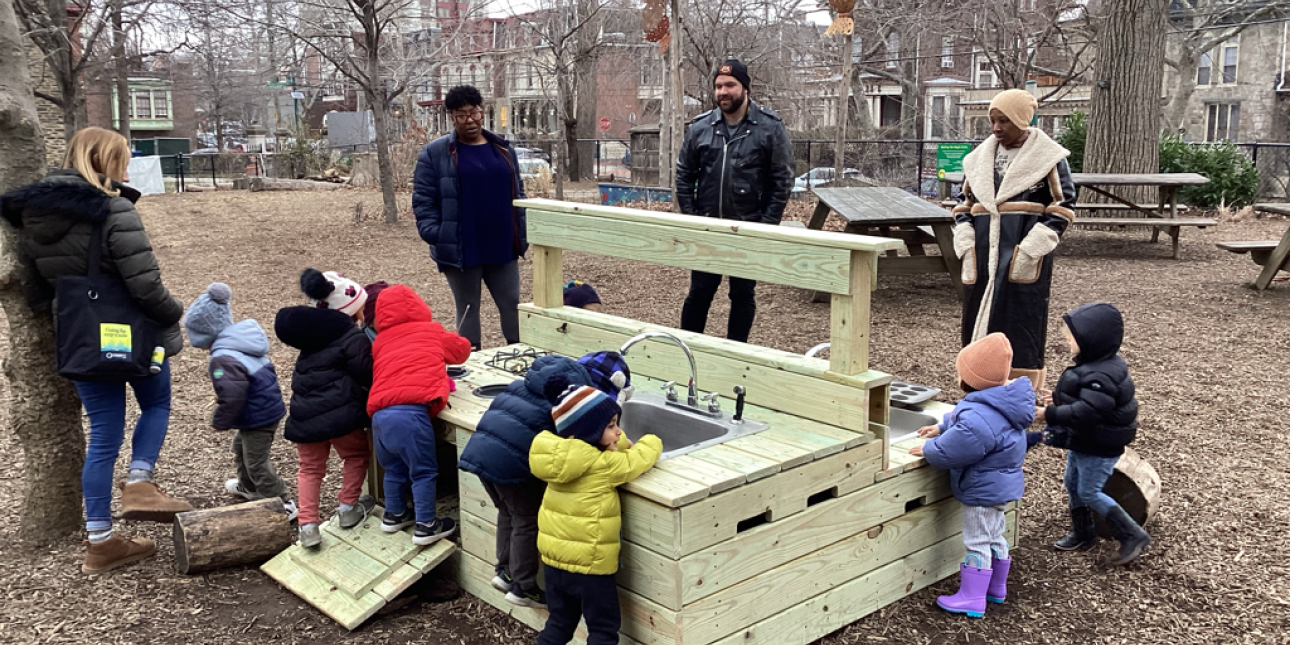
{"points": [[970, 599], [998, 589]]}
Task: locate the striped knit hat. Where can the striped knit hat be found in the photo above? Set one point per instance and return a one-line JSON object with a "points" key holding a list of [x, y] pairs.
{"points": [[583, 413]]}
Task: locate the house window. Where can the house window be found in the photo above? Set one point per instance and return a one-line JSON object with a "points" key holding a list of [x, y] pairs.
{"points": [[1026, 5], [893, 49], [160, 107], [857, 50], [528, 82], [938, 117], [1202, 69], [985, 74], [1230, 50], [142, 104], [651, 74], [947, 52], [1222, 121]]}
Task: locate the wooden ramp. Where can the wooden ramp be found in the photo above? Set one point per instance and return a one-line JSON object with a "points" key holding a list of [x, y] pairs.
{"points": [[356, 572]]}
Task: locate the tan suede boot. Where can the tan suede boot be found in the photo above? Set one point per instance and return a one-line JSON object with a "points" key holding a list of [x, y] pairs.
{"points": [[116, 552], [147, 502]]}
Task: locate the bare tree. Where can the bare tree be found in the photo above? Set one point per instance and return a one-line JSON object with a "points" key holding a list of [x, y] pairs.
{"points": [[1125, 115], [1197, 28], [43, 408]]}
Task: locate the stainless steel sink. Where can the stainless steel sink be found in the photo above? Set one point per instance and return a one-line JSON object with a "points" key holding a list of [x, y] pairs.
{"points": [[905, 423], [680, 431]]}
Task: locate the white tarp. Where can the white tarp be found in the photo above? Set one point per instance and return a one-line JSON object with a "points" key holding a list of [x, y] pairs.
{"points": [[145, 175]]}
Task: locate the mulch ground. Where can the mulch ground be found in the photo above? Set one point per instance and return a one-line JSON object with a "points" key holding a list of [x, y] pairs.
{"points": [[1209, 355]]}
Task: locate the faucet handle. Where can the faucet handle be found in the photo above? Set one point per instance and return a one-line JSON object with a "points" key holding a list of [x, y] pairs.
{"points": [[714, 405], [670, 388]]}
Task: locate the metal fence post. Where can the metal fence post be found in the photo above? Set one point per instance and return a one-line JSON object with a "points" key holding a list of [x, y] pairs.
{"points": [[179, 173], [918, 181], [214, 183]]}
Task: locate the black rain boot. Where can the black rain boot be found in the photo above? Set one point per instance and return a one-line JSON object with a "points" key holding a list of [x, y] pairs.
{"points": [[1082, 536], [1131, 536]]}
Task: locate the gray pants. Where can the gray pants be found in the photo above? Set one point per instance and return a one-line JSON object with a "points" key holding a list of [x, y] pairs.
{"points": [[517, 531], [254, 466], [983, 528], [503, 281]]}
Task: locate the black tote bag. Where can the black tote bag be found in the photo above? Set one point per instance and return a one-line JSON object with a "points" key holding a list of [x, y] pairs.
{"points": [[102, 333]]}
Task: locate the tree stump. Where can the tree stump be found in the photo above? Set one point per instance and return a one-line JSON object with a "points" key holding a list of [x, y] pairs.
{"points": [[1135, 485], [228, 536]]}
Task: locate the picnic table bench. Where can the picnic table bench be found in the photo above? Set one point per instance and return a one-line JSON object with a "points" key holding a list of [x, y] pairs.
{"points": [[1272, 255], [893, 212], [1166, 208]]}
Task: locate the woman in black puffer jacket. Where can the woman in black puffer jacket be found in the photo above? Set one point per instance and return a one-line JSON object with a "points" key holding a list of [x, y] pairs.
{"points": [[55, 218]]}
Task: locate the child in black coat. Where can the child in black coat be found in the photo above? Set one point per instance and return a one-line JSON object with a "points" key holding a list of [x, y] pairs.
{"points": [[1093, 413]]}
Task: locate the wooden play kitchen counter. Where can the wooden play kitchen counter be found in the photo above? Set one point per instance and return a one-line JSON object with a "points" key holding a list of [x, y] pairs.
{"points": [[778, 537]]}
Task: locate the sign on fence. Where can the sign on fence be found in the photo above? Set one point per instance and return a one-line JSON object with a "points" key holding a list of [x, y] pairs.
{"points": [[949, 157]]}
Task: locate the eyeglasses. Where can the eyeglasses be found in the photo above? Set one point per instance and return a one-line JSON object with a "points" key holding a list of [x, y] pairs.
{"points": [[477, 115]]}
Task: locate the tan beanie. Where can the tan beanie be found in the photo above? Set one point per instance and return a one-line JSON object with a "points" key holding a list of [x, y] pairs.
{"points": [[986, 363], [1018, 105]]}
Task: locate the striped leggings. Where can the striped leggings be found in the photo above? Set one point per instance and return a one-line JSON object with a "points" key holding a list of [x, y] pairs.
{"points": [[983, 528]]}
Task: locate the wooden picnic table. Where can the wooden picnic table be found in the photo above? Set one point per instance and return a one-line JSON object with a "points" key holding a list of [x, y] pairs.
{"points": [[1272, 256], [893, 212], [1166, 206]]}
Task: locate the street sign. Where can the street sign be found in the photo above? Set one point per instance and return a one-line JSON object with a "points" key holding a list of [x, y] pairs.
{"points": [[949, 157], [297, 95], [604, 124]]}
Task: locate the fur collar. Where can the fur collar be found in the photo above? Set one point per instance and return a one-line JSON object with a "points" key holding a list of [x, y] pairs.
{"points": [[1032, 163]]}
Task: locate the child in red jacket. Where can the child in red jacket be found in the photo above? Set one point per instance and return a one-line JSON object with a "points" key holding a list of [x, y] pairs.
{"points": [[410, 386]]}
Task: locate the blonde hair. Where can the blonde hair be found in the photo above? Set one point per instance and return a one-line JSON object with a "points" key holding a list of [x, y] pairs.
{"points": [[96, 151]]}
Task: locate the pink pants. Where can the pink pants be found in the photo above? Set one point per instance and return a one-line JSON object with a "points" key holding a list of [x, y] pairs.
{"points": [[355, 454]]}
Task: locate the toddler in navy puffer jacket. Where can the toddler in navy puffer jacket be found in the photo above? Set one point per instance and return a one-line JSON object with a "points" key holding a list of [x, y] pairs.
{"points": [[983, 444]]}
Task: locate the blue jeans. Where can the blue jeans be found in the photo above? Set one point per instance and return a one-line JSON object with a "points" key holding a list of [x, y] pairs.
{"points": [[405, 446], [105, 404], [1085, 477]]}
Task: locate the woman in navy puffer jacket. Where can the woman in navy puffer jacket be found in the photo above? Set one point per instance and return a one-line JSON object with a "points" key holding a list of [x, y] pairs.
{"points": [[498, 454]]}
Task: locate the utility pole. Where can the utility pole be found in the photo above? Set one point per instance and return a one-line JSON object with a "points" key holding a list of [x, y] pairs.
{"points": [[676, 132], [844, 100], [122, 69]]}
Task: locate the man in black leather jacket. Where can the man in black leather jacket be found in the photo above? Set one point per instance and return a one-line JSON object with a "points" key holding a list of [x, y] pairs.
{"points": [[736, 163]]}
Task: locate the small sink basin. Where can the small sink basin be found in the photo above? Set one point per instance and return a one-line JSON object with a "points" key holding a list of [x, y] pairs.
{"points": [[681, 431], [905, 423]]}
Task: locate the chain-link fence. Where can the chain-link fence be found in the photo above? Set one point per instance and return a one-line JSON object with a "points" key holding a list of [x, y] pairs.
{"points": [[1273, 163]]}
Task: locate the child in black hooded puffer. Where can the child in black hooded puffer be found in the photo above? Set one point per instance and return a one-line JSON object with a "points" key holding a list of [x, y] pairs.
{"points": [[1093, 413]]}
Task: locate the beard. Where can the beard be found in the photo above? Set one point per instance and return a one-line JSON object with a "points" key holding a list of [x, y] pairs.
{"points": [[735, 103]]}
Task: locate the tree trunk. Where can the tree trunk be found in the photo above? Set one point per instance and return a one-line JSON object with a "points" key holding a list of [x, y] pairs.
{"points": [[121, 68], [376, 100], [1124, 116], [43, 409], [587, 127], [844, 101], [1176, 113], [230, 536]]}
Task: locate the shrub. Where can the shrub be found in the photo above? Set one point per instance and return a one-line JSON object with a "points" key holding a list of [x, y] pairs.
{"points": [[1233, 179], [1072, 137]]}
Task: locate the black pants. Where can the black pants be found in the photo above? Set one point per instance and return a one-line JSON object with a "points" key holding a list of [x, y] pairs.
{"points": [[570, 596], [517, 531], [743, 304]]}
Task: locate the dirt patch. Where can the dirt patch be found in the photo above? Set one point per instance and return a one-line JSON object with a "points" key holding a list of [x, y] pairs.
{"points": [[1209, 356]]}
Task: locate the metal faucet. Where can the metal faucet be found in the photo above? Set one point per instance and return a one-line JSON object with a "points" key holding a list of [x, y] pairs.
{"points": [[692, 394]]}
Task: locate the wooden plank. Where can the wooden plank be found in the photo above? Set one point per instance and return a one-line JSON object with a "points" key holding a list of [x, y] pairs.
{"points": [[548, 276], [1274, 263], [1246, 247], [1279, 209], [1125, 207], [349, 569], [899, 454], [399, 581], [433, 555], [651, 525], [797, 581], [849, 318], [350, 612], [787, 455], [717, 518], [754, 230], [716, 478], [749, 465], [389, 549], [479, 537], [834, 609], [747, 554], [788, 263], [473, 498], [1144, 221], [820, 446], [778, 360], [912, 265], [668, 489], [768, 386]]}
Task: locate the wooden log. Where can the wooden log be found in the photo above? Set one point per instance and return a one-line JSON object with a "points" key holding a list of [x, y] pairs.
{"points": [[1135, 486], [270, 183], [228, 536]]}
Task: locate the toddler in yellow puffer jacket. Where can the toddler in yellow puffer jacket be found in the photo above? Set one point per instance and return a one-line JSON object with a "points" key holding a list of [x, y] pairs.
{"points": [[583, 463]]}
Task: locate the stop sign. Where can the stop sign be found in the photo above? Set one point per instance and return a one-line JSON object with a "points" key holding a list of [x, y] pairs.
{"points": [[604, 124]]}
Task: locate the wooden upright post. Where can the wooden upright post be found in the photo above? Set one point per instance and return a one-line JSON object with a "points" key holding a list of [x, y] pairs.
{"points": [[849, 324], [548, 276], [844, 99], [676, 130]]}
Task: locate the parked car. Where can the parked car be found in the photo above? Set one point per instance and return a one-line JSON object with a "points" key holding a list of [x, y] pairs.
{"points": [[820, 176], [531, 168], [531, 153]]}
